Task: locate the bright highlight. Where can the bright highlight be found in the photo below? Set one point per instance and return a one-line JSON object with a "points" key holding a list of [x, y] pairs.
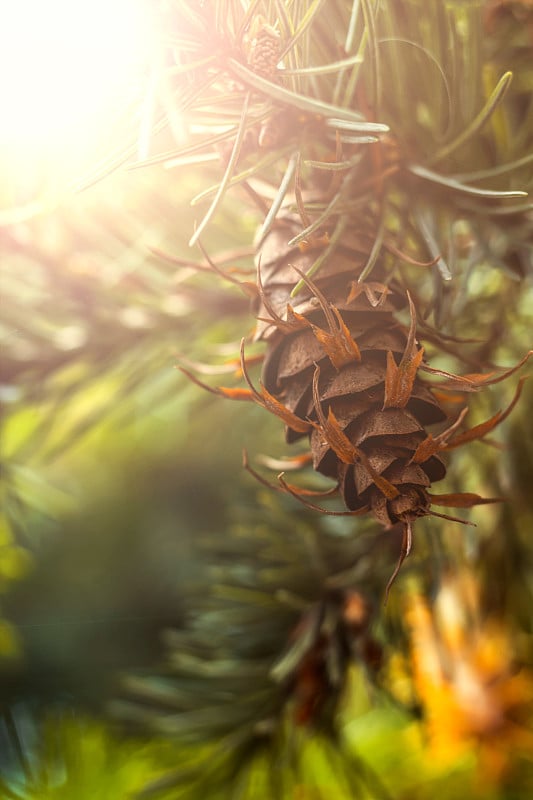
{"points": [[64, 62]]}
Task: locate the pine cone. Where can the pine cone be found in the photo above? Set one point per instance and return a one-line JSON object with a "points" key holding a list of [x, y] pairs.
{"points": [[342, 370], [264, 48], [334, 363]]}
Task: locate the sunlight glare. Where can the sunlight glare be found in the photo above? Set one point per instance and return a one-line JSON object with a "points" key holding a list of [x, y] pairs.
{"points": [[64, 61]]}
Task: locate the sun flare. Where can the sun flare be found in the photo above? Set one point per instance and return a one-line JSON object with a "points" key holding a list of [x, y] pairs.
{"points": [[67, 69], [63, 60]]}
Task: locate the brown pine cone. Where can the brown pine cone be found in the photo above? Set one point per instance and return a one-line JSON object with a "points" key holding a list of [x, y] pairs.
{"points": [[340, 369], [334, 364]]}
